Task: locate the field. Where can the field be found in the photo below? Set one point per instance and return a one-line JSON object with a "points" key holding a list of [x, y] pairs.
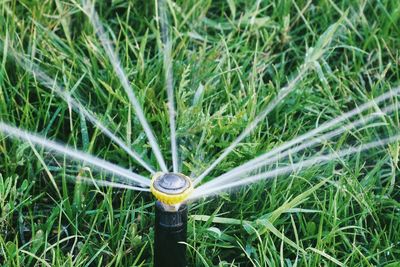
{"points": [[230, 59]]}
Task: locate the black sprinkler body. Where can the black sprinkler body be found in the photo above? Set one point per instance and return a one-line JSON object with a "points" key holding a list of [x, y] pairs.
{"points": [[170, 231]]}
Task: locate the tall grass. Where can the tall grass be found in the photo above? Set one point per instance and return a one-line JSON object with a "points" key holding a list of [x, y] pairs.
{"points": [[230, 60]]}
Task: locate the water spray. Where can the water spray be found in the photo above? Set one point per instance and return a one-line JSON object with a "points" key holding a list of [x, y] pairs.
{"points": [[170, 231]]}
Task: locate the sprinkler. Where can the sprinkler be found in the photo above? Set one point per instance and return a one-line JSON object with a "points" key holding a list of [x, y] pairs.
{"points": [[171, 191]]}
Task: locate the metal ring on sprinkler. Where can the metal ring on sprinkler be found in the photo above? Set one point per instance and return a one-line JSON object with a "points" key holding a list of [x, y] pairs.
{"points": [[171, 188]]}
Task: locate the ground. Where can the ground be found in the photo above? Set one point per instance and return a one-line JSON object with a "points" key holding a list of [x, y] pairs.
{"points": [[230, 59]]}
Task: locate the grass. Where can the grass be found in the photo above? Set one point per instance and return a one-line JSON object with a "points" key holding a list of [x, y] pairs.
{"points": [[230, 59]]}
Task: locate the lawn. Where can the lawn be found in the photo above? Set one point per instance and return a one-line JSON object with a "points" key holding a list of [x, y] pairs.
{"points": [[230, 59]]}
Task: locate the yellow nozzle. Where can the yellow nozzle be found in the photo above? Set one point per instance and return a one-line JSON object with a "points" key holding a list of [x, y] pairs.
{"points": [[171, 188]]}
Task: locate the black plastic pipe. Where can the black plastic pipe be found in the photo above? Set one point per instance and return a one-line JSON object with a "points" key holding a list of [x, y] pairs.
{"points": [[170, 229]]}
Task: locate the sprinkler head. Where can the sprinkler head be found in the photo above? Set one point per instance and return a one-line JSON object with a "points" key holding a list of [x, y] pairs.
{"points": [[171, 188]]}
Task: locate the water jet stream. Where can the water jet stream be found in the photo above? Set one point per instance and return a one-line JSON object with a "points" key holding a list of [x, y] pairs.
{"points": [[77, 106], [312, 56], [116, 63], [323, 159], [169, 83], [96, 182], [78, 155], [274, 154]]}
